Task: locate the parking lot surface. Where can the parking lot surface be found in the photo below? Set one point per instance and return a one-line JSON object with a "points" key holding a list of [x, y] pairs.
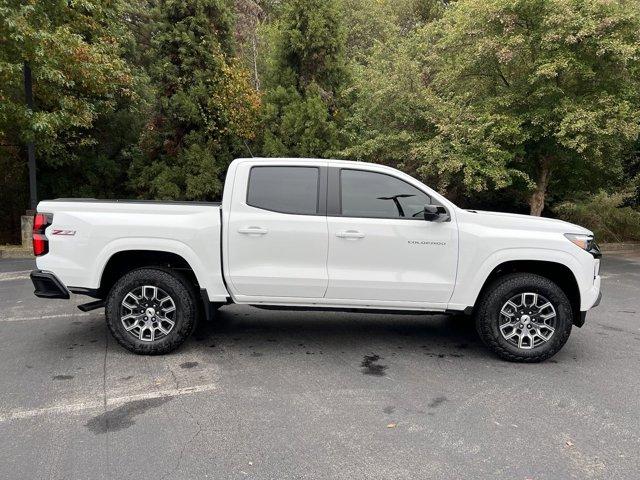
{"points": [[277, 395]]}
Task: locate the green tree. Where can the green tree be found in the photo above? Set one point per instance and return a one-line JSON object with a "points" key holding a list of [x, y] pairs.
{"points": [[384, 23], [390, 114], [87, 99], [204, 105], [532, 89], [13, 193], [305, 77], [503, 99], [75, 53]]}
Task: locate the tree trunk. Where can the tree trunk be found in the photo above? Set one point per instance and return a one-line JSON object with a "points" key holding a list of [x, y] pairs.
{"points": [[254, 48], [536, 202]]}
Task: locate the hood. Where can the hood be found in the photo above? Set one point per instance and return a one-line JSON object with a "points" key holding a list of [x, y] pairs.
{"points": [[527, 222]]}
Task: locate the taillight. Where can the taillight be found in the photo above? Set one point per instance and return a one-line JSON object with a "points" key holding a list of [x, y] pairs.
{"points": [[40, 223]]}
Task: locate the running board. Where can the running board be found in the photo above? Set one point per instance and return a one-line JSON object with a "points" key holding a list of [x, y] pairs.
{"points": [[319, 308], [86, 307]]}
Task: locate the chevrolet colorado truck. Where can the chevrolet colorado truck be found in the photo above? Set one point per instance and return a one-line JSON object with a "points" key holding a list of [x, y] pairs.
{"points": [[317, 234]]}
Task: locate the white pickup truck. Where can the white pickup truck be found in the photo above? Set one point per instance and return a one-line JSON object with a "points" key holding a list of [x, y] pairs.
{"points": [[317, 234]]}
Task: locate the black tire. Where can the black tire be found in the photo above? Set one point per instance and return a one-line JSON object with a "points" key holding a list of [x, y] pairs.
{"points": [[182, 294], [503, 289]]}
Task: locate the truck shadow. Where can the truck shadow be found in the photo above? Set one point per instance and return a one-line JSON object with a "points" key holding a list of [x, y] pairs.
{"points": [[254, 332], [270, 331]]}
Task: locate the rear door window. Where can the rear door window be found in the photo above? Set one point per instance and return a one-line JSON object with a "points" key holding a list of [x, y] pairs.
{"points": [[284, 189]]}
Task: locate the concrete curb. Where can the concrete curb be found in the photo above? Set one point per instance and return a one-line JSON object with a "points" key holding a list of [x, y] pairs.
{"points": [[15, 252]]}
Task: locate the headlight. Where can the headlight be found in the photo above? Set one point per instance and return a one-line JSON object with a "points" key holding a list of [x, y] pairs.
{"points": [[585, 242]]}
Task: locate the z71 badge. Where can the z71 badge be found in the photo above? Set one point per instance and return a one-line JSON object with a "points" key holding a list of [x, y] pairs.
{"points": [[63, 232]]}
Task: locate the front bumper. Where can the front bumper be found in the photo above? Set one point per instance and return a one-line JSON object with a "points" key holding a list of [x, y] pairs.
{"points": [[47, 285], [592, 299], [597, 300], [591, 296], [579, 322]]}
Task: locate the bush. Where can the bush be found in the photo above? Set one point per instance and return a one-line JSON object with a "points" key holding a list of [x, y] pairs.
{"points": [[14, 192], [605, 215]]}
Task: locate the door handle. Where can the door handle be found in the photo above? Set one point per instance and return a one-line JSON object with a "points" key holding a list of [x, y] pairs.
{"points": [[253, 231], [350, 234]]}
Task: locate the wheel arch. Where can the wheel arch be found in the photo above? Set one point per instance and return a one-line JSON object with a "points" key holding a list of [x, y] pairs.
{"points": [[205, 266], [123, 261], [557, 272]]}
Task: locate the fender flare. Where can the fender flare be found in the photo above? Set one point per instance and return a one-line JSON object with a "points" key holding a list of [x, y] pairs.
{"points": [[147, 244], [467, 292]]}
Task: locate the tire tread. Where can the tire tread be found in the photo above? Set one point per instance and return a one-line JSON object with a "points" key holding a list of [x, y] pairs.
{"points": [[181, 287], [508, 283]]}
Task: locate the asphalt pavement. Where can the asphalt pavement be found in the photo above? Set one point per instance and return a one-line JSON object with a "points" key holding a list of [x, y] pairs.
{"points": [[294, 395]]}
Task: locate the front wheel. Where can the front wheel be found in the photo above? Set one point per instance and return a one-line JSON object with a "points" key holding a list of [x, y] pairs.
{"points": [[524, 317], [151, 311]]}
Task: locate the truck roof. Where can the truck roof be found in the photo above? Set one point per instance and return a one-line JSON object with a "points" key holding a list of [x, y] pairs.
{"points": [[310, 160]]}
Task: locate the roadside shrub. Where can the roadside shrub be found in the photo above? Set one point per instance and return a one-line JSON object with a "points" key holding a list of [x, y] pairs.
{"points": [[605, 215]]}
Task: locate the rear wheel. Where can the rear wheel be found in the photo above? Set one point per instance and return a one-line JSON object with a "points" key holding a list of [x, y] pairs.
{"points": [[151, 311], [524, 317]]}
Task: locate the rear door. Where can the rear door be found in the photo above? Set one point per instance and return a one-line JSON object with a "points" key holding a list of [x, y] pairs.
{"points": [[277, 231], [381, 249]]}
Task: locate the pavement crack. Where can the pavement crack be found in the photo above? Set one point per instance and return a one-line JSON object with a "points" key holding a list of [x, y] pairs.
{"points": [[175, 379], [171, 473]]}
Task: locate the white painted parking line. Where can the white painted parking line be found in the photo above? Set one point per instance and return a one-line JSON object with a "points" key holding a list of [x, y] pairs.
{"points": [[94, 404], [50, 317], [21, 275]]}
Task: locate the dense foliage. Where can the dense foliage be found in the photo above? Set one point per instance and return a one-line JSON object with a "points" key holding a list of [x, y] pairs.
{"points": [[518, 95], [506, 104], [528, 88], [304, 79], [204, 107], [606, 214], [79, 72]]}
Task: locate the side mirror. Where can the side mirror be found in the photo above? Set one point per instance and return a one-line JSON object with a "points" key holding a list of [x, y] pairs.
{"points": [[435, 213]]}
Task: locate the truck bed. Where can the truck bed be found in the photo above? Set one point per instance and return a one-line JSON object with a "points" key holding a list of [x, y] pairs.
{"points": [[125, 200], [86, 233]]}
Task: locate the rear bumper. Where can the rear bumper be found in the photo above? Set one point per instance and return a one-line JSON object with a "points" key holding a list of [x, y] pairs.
{"points": [[47, 285]]}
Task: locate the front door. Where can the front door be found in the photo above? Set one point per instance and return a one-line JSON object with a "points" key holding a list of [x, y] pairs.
{"points": [[277, 232], [381, 248]]}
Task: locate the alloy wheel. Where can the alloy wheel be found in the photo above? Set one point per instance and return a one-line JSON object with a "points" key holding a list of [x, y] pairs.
{"points": [[148, 313], [527, 320]]}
